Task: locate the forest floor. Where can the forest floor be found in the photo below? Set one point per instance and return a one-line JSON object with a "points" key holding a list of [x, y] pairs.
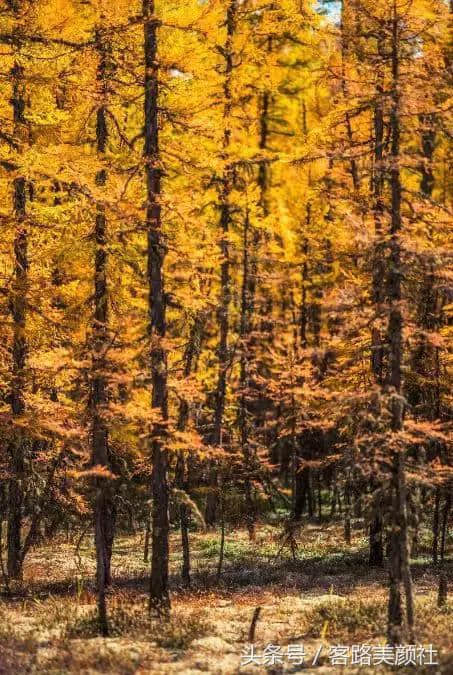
{"points": [[325, 595]]}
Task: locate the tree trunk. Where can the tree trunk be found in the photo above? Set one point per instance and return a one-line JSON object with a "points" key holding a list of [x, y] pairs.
{"points": [[319, 495], [147, 538], [183, 466], [435, 547], [379, 209], [225, 291], [376, 555], [303, 493], [304, 280], [18, 305], [159, 594], [104, 515], [376, 551], [244, 380], [445, 517], [399, 567], [345, 89]]}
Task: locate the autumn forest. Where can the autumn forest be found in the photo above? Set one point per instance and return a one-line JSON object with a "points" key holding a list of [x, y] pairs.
{"points": [[225, 310]]}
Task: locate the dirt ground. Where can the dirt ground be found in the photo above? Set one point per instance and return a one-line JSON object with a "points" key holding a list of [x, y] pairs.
{"points": [[314, 601]]}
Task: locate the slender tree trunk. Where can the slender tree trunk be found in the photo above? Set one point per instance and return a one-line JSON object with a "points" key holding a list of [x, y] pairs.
{"points": [[17, 447], [424, 394], [445, 517], [304, 280], [319, 494], [104, 515], [159, 594], [399, 568], [183, 463], [225, 291], [222, 540], [185, 544], [147, 538], [435, 548], [345, 89], [442, 594], [376, 551], [18, 305], [376, 555], [378, 291], [244, 380]]}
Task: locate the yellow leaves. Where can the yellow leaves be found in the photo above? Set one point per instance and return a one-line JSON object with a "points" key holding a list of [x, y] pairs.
{"points": [[416, 431], [41, 117], [186, 441], [95, 472], [136, 411], [440, 473], [187, 389]]}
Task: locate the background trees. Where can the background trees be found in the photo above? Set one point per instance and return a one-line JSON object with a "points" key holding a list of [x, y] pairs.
{"points": [[243, 208]]}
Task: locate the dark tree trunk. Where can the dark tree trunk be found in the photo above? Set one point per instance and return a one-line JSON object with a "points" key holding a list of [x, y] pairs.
{"points": [[303, 494], [225, 291], [428, 142], [104, 515], [376, 551], [263, 170], [185, 544], [379, 210], [445, 517], [435, 548], [17, 446], [376, 556], [18, 306], [442, 594], [347, 527], [183, 463], [303, 303], [345, 90], [244, 379], [399, 568], [424, 394], [159, 594], [376, 545], [147, 538]]}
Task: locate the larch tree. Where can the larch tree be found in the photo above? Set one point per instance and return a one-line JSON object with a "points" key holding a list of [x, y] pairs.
{"points": [[104, 501], [159, 595]]}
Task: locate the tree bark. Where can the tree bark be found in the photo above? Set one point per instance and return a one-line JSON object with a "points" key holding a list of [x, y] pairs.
{"points": [[435, 547], [376, 551], [376, 554], [244, 380], [18, 308], [182, 477], [399, 567], [104, 509], [345, 89], [159, 594], [226, 187], [445, 517]]}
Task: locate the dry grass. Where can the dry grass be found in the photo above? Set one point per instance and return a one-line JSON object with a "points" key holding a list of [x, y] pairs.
{"points": [[327, 595]]}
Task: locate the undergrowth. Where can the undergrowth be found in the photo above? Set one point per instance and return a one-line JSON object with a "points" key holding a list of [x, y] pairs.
{"points": [[132, 620]]}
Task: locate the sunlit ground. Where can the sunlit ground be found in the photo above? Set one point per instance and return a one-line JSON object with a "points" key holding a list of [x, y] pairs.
{"points": [[323, 595]]}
